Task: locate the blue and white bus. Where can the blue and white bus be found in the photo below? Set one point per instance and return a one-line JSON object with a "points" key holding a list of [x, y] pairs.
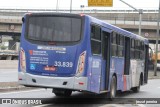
{"points": [[76, 52]]}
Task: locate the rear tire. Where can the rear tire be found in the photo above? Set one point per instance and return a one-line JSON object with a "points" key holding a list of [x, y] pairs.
{"points": [[62, 92], [113, 88]]}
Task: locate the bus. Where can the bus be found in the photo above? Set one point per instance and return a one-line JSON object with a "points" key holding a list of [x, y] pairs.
{"points": [[77, 52]]}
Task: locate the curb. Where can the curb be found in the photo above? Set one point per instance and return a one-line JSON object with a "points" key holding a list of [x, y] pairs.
{"points": [[13, 88], [18, 88]]}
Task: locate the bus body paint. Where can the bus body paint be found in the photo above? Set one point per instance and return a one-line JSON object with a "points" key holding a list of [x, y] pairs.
{"points": [[50, 65]]}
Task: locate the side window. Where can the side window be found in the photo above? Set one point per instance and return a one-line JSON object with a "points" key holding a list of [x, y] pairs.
{"points": [[136, 44], [117, 45], [117, 39], [132, 53], [120, 51], [138, 51], [121, 40], [114, 44], [114, 50], [95, 47], [142, 50], [95, 39], [132, 43], [95, 32], [114, 38], [121, 46], [132, 49]]}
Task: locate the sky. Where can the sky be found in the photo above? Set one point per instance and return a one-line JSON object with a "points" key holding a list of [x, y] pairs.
{"points": [[65, 4]]}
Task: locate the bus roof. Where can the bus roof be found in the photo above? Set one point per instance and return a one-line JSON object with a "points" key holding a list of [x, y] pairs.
{"points": [[117, 29]]}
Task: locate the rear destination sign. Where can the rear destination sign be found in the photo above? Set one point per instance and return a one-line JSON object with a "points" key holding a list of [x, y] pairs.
{"points": [[51, 48]]}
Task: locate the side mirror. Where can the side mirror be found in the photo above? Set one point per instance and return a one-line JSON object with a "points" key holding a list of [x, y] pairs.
{"points": [[23, 19]]}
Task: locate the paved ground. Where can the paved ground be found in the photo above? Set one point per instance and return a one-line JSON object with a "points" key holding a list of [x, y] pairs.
{"points": [[11, 75], [9, 79], [151, 90], [151, 75]]}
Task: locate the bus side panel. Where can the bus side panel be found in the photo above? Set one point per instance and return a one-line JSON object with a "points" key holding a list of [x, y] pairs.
{"points": [[137, 67], [103, 82], [95, 74], [112, 70], [127, 82], [119, 72], [140, 69], [117, 67], [133, 71], [89, 73]]}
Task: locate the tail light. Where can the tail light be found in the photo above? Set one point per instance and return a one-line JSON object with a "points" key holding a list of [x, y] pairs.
{"points": [[22, 60], [81, 64]]}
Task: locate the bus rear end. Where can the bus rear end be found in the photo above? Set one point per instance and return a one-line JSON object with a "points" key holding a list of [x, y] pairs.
{"points": [[51, 52]]}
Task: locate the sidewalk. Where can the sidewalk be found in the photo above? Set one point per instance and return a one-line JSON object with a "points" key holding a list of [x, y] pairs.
{"points": [[151, 75], [12, 86], [9, 80]]}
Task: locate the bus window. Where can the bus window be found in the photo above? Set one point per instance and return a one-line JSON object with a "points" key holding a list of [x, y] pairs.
{"points": [[121, 46], [114, 38], [121, 41], [95, 39], [132, 53], [114, 50], [117, 39], [58, 29], [114, 44], [137, 54], [95, 47], [95, 32], [132, 49], [132, 44]]}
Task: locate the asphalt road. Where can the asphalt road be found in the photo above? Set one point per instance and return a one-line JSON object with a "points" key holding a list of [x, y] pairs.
{"points": [[151, 90]]}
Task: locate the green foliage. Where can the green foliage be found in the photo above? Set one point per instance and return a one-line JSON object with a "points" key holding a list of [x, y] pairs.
{"points": [[3, 47]]}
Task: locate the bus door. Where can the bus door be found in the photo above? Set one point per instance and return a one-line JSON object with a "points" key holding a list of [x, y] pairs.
{"points": [[127, 58], [146, 64], [106, 33]]}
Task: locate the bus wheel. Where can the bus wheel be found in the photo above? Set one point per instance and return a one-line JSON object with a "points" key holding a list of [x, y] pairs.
{"points": [[137, 89], [62, 93], [113, 88], [67, 92]]}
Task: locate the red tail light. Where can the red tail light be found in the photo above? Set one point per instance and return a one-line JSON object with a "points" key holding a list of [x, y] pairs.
{"points": [[22, 60], [81, 63]]}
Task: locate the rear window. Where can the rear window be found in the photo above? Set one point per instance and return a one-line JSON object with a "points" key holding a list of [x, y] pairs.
{"points": [[49, 28]]}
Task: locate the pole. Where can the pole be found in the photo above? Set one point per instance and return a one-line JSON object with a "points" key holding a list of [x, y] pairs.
{"points": [[140, 14], [158, 20], [71, 6], [129, 5], [57, 6], [140, 20]]}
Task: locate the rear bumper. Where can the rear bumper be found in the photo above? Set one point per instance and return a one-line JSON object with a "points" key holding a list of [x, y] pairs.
{"points": [[74, 83]]}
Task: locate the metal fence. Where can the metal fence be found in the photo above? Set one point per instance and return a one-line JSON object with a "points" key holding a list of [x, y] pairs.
{"points": [[111, 16]]}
